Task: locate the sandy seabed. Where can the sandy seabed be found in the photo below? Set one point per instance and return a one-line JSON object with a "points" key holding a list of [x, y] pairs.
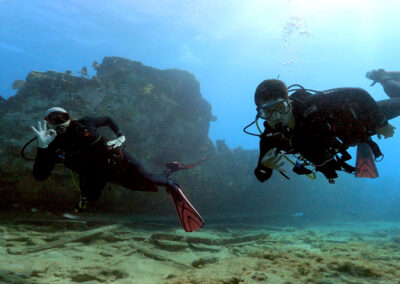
{"points": [[43, 249]]}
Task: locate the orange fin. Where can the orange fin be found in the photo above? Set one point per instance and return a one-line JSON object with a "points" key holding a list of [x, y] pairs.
{"points": [[188, 215], [365, 162]]}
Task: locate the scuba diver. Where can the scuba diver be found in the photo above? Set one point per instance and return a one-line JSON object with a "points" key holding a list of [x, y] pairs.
{"points": [[79, 145], [390, 81], [318, 129]]}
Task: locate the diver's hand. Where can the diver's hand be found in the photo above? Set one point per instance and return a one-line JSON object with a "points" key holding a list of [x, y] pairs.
{"points": [[116, 142], [272, 160], [386, 131], [45, 136]]}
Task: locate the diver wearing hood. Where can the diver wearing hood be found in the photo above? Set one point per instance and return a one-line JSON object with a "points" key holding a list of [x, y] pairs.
{"points": [[58, 119], [79, 145], [318, 128]]}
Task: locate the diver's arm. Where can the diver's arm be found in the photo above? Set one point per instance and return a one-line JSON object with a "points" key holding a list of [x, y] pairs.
{"points": [[376, 117], [44, 163], [391, 88], [370, 114], [45, 157], [107, 121], [261, 172]]}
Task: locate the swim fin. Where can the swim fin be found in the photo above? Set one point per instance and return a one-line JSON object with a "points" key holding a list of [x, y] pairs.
{"points": [[365, 162], [188, 215], [177, 166]]}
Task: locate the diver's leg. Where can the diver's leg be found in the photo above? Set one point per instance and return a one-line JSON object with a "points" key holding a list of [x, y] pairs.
{"points": [[390, 107], [131, 174], [91, 187], [388, 80], [391, 88]]}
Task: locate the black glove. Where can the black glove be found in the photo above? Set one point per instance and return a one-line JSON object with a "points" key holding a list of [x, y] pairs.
{"points": [[262, 173], [329, 170], [301, 170]]}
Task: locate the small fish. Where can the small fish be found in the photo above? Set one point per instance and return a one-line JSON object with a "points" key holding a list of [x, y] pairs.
{"points": [[298, 214]]}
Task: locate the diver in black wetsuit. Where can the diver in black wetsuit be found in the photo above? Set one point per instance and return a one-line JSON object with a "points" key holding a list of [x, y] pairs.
{"points": [[390, 82], [318, 128], [79, 145]]}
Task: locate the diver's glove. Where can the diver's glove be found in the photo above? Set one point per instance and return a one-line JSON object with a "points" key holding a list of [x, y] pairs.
{"points": [[329, 170], [45, 136], [386, 131], [272, 160], [262, 173], [116, 142], [82, 205]]}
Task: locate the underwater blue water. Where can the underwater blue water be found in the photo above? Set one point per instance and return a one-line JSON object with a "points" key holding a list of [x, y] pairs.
{"points": [[230, 46]]}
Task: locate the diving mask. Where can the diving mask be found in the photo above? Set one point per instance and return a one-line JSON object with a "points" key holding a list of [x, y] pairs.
{"points": [[266, 111], [57, 118]]}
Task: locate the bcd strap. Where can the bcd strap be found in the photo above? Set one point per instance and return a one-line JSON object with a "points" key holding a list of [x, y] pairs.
{"points": [[375, 149], [347, 168], [342, 161]]}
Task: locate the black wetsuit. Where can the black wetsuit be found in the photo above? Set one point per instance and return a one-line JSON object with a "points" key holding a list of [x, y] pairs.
{"points": [[82, 149], [390, 107], [391, 88], [326, 124]]}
